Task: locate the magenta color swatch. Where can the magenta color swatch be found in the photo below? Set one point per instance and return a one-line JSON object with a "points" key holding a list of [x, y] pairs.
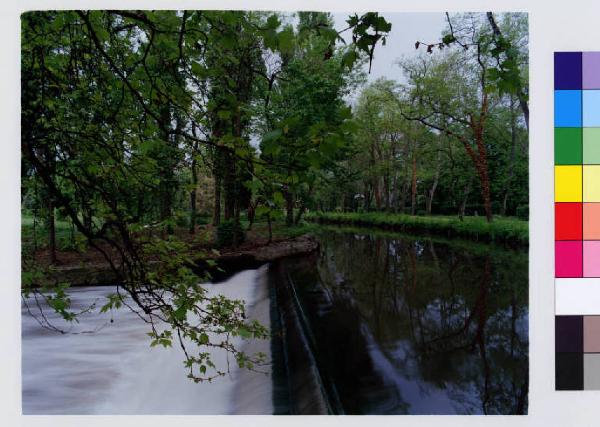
{"points": [[591, 258], [569, 259], [591, 70]]}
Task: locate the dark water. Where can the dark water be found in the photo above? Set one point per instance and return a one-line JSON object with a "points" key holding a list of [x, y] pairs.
{"points": [[405, 325]]}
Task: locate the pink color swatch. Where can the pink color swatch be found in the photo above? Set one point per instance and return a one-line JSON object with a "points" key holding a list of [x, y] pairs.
{"points": [[591, 258]]}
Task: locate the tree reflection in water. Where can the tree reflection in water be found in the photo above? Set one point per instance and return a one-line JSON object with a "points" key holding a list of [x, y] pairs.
{"points": [[411, 325]]}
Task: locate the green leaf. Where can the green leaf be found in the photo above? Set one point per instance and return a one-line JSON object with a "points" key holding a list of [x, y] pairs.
{"points": [[270, 136], [244, 332], [180, 313], [448, 38], [224, 114], [273, 22], [286, 40], [349, 58], [203, 339], [199, 70], [278, 198]]}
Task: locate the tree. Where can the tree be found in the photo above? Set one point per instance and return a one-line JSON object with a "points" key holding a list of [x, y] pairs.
{"points": [[114, 104]]}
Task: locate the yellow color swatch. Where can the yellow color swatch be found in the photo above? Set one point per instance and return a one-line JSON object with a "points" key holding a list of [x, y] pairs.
{"points": [[591, 183], [567, 183]]}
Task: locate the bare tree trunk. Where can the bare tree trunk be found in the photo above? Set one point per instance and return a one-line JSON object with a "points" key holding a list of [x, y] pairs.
{"points": [[251, 214], [395, 193], [413, 197], [434, 185], [402, 202], [193, 198], [513, 155], [229, 187], [485, 189], [270, 228], [289, 207], [217, 207], [299, 214], [51, 232], [386, 189], [375, 180], [463, 205], [237, 230], [368, 197]]}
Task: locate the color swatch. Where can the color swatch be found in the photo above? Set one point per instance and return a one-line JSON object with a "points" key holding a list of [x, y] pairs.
{"points": [[577, 219]]}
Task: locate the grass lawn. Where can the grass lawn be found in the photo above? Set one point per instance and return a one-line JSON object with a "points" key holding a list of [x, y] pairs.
{"points": [[501, 229]]}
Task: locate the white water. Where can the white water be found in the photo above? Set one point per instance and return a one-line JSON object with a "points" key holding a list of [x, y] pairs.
{"points": [[114, 370]]}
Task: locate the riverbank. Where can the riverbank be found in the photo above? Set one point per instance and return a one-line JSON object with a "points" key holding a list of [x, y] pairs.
{"points": [[509, 231], [87, 267]]}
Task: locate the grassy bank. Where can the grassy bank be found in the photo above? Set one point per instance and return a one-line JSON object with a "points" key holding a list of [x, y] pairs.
{"points": [[502, 230]]}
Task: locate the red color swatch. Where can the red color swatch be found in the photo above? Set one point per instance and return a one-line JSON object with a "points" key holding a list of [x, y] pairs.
{"points": [[568, 221]]}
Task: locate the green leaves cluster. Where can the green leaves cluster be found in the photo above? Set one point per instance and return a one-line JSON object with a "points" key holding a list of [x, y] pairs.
{"points": [[121, 108]]}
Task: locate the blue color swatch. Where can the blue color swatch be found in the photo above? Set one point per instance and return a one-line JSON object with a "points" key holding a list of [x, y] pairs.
{"points": [[567, 108], [591, 108]]}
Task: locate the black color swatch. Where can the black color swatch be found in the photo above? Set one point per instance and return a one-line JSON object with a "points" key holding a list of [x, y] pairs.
{"points": [[569, 371]]}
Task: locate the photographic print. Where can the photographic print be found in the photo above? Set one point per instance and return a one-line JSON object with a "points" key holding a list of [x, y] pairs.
{"points": [[288, 213]]}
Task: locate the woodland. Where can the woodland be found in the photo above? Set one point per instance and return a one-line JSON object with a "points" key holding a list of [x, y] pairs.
{"points": [[154, 138]]}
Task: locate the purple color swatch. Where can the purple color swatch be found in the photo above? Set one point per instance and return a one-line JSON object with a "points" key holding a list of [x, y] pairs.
{"points": [[590, 62], [567, 71]]}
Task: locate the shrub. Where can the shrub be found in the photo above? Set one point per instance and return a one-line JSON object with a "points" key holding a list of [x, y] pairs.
{"points": [[523, 212], [202, 220], [227, 232]]}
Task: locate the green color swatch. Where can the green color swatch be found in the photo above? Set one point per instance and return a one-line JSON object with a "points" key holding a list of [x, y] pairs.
{"points": [[591, 146], [567, 146]]}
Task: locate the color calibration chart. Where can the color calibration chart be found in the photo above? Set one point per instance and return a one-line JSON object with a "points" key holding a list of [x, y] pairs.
{"points": [[577, 219]]}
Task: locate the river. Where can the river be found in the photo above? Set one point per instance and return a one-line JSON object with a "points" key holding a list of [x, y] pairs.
{"points": [[383, 324]]}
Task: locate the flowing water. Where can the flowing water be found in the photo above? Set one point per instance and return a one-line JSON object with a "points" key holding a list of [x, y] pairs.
{"points": [[114, 371], [392, 324]]}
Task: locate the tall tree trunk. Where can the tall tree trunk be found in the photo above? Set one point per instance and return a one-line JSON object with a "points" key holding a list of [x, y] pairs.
{"points": [[368, 196], [166, 171], [386, 190], [216, 219], [50, 222], [434, 185], [299, 214], [251, 214], [270, 228], [289, 206], [402, 202], [193, 197], [463, 205], [229, 187], [237, 234], [513, 155], [51, 231], [395, 193], [413, 195], [485, 192]]}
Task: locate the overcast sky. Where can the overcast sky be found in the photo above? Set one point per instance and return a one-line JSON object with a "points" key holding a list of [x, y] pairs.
{"points": [[407, 28]]}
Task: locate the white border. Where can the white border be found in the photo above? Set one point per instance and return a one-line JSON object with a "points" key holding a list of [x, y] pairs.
{"points": [[577, 296], [554, 26]]}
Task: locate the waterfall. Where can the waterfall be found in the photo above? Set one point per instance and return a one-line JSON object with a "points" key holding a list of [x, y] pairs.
{"points": [[114, 371]]}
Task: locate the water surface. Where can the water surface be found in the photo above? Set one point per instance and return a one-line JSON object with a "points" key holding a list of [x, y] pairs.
{"points": [[396, 325], [406, 325]]}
